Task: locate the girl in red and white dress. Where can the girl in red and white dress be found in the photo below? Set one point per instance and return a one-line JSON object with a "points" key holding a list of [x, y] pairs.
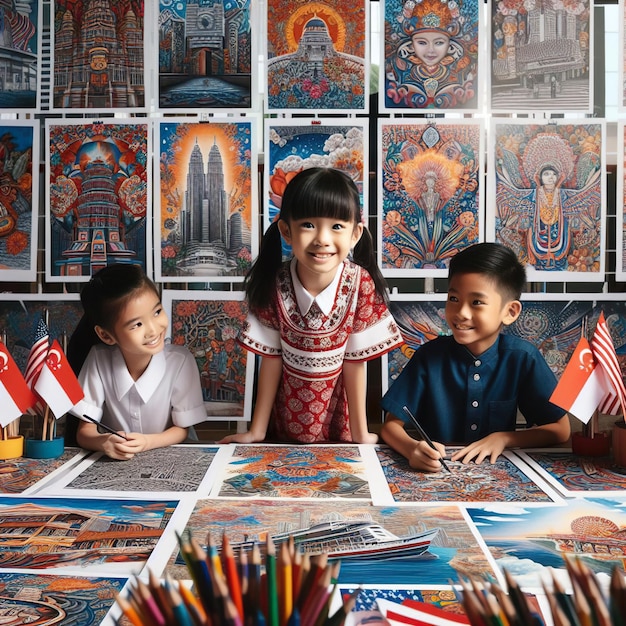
{"points": [[316, 319]]}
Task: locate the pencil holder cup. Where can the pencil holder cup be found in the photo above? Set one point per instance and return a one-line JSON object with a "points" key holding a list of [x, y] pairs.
{"points": [[598, 445], [619, 443], [48, 449], [11, 448]]}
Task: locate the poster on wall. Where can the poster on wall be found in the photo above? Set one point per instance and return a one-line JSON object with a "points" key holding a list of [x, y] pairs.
{"points": [[208, 219], [206, 55], [549, 189], [208, 323], [19, 200], [620, 210], [20, 28], [292, 145], [431, 53], [430, 200], [317, 56], [98, 55], [541, 56], [97, 197]]}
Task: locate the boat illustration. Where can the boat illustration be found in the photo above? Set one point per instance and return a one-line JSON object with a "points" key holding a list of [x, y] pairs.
{"points": [[354, 539]]}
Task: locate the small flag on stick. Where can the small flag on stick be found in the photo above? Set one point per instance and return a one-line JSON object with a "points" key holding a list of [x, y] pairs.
{"points": [[16, 396]]}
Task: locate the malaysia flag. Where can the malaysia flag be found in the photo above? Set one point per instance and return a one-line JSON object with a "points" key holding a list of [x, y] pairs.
{"points": [[16, 396], [57, 384]]}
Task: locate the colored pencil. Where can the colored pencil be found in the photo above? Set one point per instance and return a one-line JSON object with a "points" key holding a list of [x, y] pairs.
{"points": [[285, 584], [129, 611], [231, 573], [273, 612]]}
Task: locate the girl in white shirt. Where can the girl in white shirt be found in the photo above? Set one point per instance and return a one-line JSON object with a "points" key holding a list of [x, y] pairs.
{"points": [[134, 383]]}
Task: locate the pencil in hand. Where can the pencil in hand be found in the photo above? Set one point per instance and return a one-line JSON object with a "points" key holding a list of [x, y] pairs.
{"points": [[424, 436]]}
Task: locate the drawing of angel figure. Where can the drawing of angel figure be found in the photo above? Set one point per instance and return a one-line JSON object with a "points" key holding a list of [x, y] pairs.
{"points": [[548, 201], [431, 54]]}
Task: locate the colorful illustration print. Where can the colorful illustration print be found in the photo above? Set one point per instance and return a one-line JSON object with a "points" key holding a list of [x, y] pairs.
{"points": [[548, 189], [527, 541], [98, 200], [16, 198], [45, 599], [316, 55], [453, 550], [445, 599], [209, 328], [295, 472], [98, 55], [206, 210], [502, 481], [430, 193], [431, 54], [540, 55], [43, 533], [205, 54]]}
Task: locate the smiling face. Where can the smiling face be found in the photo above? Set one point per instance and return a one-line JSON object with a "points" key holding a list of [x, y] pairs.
{"points": [[476, 311], [320, 244], [430, 46]]}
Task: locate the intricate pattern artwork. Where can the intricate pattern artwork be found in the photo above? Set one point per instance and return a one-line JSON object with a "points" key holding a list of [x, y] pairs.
{"points": [[453, 549], [206, 55], [19, 196], [526, 542], [97, 197], [208, 323], [24, 475], [46, 599], [208, 217], [317, 56], [541, 55], [620, 199], [46, 533], [549, 190], [430, 203], [171, 469], [576, 475], [294, 472], [296, 144], [443, 597], [98, 55], [19, 66], [504, 481], [431, 55]]}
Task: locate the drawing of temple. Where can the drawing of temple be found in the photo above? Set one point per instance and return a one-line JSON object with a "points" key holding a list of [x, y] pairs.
{"points": [[98, 63]]}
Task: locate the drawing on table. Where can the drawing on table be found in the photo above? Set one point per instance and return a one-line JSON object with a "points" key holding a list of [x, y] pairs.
{"points": [[288, 472]]}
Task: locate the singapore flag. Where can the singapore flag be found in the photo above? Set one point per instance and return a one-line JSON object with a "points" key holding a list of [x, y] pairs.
{"points": [[57, 384], [582, 385], [15, 395]]}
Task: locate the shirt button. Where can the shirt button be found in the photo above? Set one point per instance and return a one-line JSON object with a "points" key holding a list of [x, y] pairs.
{"points": [[475, 403], [477, 363], [476, 376], [473, 427]]}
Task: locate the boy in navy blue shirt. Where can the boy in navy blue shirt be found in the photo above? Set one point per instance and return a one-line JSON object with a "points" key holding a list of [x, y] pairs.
{"points": [[466, 389]]}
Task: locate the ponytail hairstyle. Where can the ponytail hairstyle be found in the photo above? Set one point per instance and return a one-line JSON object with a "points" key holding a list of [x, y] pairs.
{"points": [[103, 299], [313, 192]]}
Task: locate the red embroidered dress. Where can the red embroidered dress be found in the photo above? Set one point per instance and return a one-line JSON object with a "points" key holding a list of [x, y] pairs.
{"points": [[311, 405]]}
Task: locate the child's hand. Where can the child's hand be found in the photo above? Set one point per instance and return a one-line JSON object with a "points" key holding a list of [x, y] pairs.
{"points": [[490, 446], [247, 437], [425, 459], [366, 438], [114, 447]]}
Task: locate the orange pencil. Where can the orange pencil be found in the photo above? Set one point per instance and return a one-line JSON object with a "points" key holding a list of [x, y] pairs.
{"points": [[214, 556], [232, 575], [285, 584], [129, 611], [193, 604]]}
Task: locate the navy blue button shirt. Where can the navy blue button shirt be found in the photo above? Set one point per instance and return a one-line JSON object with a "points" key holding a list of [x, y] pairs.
{"points": [[459, 398]]}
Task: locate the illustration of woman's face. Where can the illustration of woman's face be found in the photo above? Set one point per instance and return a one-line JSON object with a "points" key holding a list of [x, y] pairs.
{"points": [[430, 47], [549, 178]]}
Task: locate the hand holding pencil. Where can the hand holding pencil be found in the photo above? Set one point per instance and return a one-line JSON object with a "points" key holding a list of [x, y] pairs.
{"points": [[422, 433]]}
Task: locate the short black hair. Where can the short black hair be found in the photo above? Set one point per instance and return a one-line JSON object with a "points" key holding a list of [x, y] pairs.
{"points": [[495, 261]]}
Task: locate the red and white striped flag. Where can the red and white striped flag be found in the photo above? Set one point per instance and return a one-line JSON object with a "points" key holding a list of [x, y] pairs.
{"points": [[36, 359], [16, 396], [614, 402]]}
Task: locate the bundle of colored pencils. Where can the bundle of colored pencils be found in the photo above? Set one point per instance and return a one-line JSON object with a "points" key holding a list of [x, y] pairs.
{"points": [[587, 605], [276, 588]]}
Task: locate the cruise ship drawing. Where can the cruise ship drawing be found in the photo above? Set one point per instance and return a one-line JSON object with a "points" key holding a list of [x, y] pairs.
{"points": [[354, 539]]}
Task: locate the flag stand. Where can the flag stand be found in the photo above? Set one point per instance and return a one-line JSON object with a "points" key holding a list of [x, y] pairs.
{"points": [[11, 447]]}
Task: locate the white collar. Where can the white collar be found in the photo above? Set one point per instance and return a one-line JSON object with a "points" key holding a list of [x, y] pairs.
{"points": [[325, 299], [147, 383]]}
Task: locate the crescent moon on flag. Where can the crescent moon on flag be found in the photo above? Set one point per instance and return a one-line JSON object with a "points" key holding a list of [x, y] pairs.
{"points": [[54, 356], [4, 359], [586, 359]]}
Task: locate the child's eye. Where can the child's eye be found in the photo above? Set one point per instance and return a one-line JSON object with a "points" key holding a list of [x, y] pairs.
{"points": [[338, 226], [452, 299], [477, 302], [306, 225], [158, 312]]}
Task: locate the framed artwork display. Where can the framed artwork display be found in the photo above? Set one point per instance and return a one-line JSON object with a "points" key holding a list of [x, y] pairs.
{"points": [[97, 197], [292, 145], [620, 202], [208, 221], [431, 53], [208, 323], [317, 56], [20, 67], [541, 56], [549, 187], [19, 199], [206, 55], [97, 55], [430, 194]]}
